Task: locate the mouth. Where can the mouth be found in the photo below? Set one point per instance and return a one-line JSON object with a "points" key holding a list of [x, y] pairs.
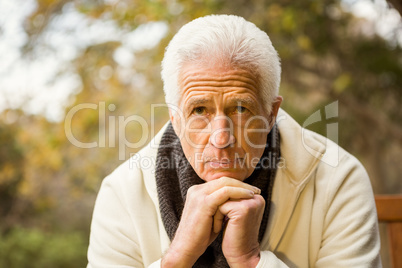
{"points": [[225, 163]]}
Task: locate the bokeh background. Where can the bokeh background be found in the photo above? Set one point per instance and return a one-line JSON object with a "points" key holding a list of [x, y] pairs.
{"points": [[57, 54]]}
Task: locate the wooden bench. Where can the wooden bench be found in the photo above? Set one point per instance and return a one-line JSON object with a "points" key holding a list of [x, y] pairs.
{"points": [[389, 210]]}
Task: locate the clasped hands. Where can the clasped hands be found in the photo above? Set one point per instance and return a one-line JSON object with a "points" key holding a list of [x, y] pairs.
{"points": [[203, 217]]}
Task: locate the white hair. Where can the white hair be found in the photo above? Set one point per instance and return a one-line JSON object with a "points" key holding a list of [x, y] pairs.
{"points": [[222, 39]]}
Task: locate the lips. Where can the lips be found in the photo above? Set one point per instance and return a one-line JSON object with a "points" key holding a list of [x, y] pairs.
{"points": [[219, 164], [225, 163]]}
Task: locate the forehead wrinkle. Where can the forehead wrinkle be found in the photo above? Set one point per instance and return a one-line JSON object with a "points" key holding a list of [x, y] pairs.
{"points": [[232, 78], [208, 85], [190, 81], [218, 77], [192, 98], [203, 95], [211, 83]]}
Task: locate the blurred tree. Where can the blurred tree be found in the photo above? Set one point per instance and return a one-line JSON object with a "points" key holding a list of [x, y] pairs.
{"points": [[47, 181], [37, 249], [11, 169]]}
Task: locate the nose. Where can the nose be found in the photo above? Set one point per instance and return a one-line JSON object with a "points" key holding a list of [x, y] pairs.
{"points": [[222, 135]]}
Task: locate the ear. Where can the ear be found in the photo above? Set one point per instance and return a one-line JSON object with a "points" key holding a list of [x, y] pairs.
{"points": [[175, 121], [274, 110]]}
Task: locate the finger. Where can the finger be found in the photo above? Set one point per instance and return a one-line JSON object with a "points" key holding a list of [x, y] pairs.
{"points": [[225, 193], [226, 181], [220, 196], [218, 221], [243, 207]]}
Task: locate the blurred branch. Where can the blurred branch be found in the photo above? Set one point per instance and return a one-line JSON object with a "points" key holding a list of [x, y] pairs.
{"points": [[357, 107], [397, 4], [378, 120], [47, 11]]}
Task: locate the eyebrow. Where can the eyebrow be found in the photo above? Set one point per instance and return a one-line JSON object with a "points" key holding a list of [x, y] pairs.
{"points": [[238, 100], [197, 102]]}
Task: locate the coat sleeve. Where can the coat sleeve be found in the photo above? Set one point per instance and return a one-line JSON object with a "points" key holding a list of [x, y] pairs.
{"points": [[113, 238], [268, 259], [350, 236]]}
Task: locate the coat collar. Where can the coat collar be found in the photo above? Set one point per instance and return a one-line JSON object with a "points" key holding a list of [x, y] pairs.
{"points": [[300, 150]]}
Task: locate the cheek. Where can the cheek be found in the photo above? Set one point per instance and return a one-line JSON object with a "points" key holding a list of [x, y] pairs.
{"points": [[252, 140], [254, 152], [194, 153], [196, 133], [188, 151], [193, 143], [255, 145], [255, 132]]}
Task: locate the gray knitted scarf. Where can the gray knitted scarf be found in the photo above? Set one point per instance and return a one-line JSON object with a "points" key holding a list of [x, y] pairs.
{"points": [[174, 176]]}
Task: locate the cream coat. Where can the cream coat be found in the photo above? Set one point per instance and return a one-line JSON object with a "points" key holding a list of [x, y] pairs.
{"points": [[322, 209]]}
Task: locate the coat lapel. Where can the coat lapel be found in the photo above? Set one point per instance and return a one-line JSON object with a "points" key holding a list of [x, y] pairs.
{"points": [[148, 173], [300, 155]]}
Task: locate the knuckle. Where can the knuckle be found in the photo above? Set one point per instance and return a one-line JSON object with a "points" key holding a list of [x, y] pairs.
{"points": [[252, 205], [257, 202], [208, 204], [192, 190], [224, 191], [206, 200], [221, 193], [225, 180], [260, 199], [194, 194], [245, 207]]}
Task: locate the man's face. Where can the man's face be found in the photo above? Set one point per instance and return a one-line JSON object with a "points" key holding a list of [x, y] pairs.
{"points": [[221, 121]]}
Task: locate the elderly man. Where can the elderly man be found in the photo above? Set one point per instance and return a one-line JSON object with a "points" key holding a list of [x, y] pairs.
{"points": [[235, 181]]}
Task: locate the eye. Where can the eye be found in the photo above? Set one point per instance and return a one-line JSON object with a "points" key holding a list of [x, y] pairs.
{"points": [[199, 111], [240, 109]]}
